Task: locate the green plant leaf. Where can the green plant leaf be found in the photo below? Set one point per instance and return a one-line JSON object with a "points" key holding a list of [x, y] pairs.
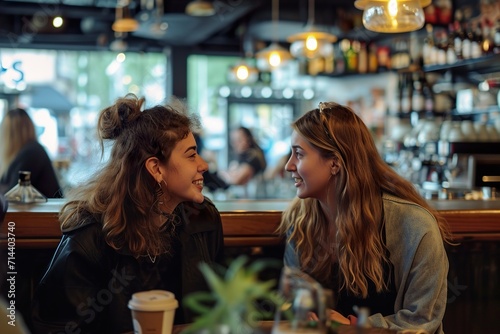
{"points": [[234, 296]]}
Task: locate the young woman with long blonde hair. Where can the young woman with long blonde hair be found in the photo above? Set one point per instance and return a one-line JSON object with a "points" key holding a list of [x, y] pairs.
{"points": [[361, 229]]}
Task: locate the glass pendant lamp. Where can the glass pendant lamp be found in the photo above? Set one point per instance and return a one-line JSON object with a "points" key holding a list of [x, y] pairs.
{"points": [[243, 72], [392, 16], [274, 55], [312, 42], [123, 21]]}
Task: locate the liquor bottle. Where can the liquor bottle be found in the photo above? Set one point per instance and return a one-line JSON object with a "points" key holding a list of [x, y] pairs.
{"points": [[476, 50], [417, 101], [451, 56], [351, 56], [372, 59], [441, 47], [459, 34], [429, 51], [428, 96], [363, 58], [466, 43], [24, 192], [496, 38], [406, 95]]}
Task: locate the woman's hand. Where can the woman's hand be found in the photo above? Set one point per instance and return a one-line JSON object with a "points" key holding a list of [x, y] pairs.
{"points": [[333, 315], [337, 317]]}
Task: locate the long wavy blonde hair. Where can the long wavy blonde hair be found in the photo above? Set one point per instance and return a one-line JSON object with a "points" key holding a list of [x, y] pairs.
{"points": [[17, 130], [337, 132], [123, 194]]}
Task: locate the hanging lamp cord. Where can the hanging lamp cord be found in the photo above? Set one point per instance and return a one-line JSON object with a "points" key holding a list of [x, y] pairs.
{"points": [[311, 13], [275, 19]]}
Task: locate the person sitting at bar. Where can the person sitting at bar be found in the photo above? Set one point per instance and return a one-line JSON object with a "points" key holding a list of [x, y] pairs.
{"points": [[248, 160], [141, 223], [360, 229], [21, 151]]}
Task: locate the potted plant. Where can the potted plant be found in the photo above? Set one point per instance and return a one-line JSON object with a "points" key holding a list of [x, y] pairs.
{"points": [[232, 305]]}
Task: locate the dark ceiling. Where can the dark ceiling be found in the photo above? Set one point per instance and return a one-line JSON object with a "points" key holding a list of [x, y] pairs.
{"points": [[238, 25]]}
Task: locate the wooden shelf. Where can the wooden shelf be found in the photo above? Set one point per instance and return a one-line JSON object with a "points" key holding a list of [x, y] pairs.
{"points": [[486, 64]]}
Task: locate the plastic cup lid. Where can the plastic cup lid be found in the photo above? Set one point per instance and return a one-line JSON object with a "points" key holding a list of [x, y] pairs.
{"points": [[153, 300]]}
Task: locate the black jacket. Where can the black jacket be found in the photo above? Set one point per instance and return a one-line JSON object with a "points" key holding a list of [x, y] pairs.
{"points": [[88, 284]]}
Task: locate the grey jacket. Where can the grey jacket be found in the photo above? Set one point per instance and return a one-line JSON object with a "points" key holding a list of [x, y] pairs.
{"points": [[420, 263]]}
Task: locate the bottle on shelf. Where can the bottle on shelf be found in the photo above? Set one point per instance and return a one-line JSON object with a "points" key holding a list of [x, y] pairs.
{"points": [[429, 52], [372, 58], [441, 47], [476, 50], [428, 96], [363, 58], [496, 38], [466, 43], [406, 95], [351, 56], [451, 56], [459, 34], [417, 101]]}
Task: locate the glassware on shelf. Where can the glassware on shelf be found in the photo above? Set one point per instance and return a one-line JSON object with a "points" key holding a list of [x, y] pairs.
{"points": [[24, 192]]}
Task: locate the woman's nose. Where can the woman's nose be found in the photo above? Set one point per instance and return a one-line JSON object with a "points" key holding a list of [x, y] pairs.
{"points": [[289, 166], [203, 165]]}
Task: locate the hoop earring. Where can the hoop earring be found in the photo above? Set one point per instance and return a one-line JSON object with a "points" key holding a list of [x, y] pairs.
{"points": [[159, 194]]}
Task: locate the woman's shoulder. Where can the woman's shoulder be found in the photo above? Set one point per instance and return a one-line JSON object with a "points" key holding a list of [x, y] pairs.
{"points": [[407, 218], [32, 147], [82, 221], [199, 217], [207, 207]]}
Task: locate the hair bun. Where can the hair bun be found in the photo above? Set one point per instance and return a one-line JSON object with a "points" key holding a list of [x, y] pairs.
{"points": [[115, 119]]}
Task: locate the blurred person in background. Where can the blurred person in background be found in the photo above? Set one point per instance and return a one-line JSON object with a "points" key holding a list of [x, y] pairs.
{"points": [[20, 150], [248, 158], [211, 179]]}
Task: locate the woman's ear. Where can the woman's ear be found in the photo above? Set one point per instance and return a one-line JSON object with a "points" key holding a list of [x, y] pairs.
{"points": [[153, 167], [334, 169]]}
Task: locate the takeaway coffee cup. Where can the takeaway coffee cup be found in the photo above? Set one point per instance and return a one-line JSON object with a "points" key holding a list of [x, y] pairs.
{"points": [[153, 311]]}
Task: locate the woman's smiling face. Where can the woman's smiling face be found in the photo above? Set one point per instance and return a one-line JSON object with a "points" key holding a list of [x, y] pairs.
{"points": [[311, 171], [184, 172]]}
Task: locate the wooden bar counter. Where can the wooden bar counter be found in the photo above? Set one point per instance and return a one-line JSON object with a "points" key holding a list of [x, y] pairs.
{"points": [[252, 223], [249, 228]]}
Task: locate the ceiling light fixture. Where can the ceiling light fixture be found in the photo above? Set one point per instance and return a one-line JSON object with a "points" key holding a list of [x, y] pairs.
{"points": [[243, 72], [200, 8], [392, 16], [312, 42], [123, 21], [274, 55]]}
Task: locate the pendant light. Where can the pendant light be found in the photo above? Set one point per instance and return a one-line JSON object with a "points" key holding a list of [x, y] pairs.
{"points": [[123, 21], [243, 72], [392, 16], [200, 8], [274, 55], [311, 43]]}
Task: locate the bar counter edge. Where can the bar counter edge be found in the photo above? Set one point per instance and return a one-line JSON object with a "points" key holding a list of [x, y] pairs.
{"points": [[250, 222]]}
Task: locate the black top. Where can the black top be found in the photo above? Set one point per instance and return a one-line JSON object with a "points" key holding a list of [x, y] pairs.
{"points": [[33, 157], [88, 284], [377, 302], [255, 158]]}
